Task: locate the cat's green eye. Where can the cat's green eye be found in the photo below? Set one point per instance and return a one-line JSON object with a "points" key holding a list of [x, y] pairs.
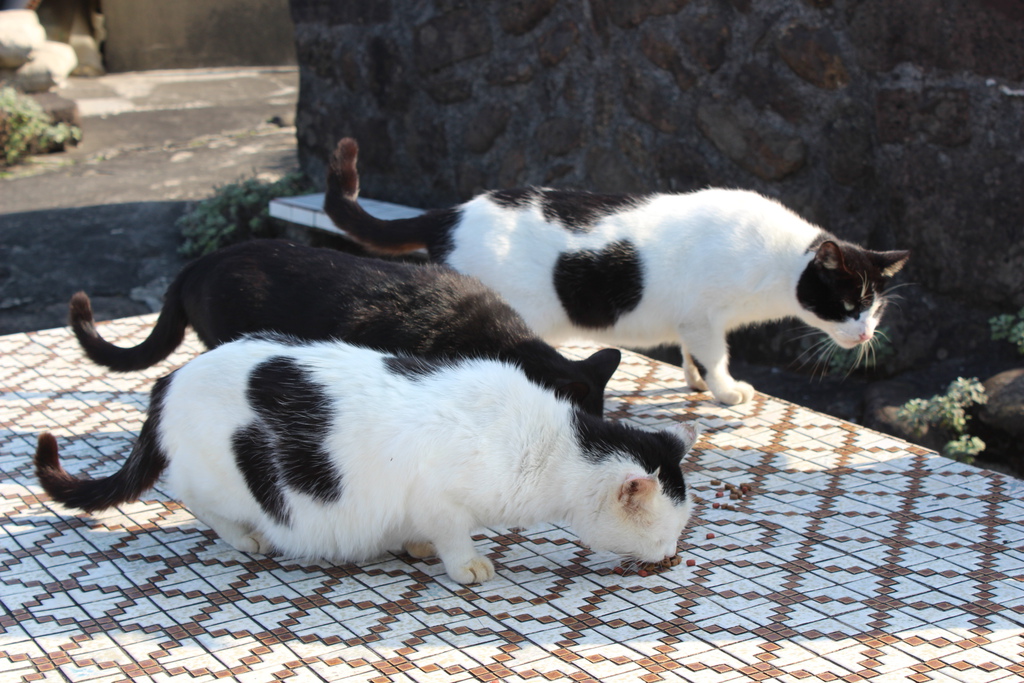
{"points": [[849, 306]]}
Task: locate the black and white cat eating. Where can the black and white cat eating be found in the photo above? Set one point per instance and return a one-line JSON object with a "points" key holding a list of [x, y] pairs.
{"points": [[324, 449]]}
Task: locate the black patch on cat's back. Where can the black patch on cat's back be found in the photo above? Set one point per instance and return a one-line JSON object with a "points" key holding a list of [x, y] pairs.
{"points": [[285, 446], [519, 198], [581, 211], [596, 287], [653, 451], [411, 367], [253, 447]]}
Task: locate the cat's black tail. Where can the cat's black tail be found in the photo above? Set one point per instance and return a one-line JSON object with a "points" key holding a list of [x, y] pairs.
{"points": [[428, 231], [138, 474], [162, 340]]}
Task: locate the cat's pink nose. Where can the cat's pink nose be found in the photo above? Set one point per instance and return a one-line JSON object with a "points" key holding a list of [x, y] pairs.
{"points": [[864, 336]]}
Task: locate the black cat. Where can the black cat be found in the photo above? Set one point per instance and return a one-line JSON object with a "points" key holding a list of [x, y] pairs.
{"points": [[318, 294]]}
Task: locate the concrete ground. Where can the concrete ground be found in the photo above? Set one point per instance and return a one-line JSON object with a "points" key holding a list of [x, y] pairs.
{"points": [[100, 217]]}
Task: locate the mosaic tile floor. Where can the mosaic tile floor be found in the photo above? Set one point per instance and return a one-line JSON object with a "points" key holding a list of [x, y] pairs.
{"points": [[850, 556]]}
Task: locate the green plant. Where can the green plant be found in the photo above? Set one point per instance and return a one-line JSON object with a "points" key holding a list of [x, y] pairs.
{"points": [[1009, 327], [965, 448], [26, 129], [948, 412], [236, 212]]}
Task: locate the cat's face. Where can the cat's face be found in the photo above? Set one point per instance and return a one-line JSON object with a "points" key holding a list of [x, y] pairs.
{"points": [[640, 514], [842, 290]]}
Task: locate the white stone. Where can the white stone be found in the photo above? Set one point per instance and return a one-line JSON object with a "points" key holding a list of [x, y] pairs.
{"points": [[48, 67], [20, 33]]}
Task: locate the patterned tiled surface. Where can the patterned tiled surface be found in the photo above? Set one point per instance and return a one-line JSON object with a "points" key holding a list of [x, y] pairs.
{"points": [[853, 556]]}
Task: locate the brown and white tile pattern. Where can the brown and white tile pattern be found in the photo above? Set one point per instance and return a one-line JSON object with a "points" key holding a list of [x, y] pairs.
{"points": [[852, 556]]}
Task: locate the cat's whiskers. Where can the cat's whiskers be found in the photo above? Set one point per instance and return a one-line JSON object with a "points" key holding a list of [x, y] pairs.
{"points": [[812, 352], [862, 350], [824, 350]]}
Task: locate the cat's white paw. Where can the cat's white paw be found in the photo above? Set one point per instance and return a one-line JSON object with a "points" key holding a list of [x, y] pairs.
{"points": [[420, 549], [477, 570], [740, 392], [250, 543]]}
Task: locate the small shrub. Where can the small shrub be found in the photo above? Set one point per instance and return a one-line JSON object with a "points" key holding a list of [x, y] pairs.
{"points": [[237, 212], [965, 448], [948, 412], [26, 129], [1009, 327]]}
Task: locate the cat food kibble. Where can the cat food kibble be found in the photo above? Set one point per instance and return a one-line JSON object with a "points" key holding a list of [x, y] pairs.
{"points": [[649, 568], [691, 563]]}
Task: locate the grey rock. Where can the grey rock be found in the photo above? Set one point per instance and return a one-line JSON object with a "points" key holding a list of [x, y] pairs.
{"points": [[522, 16], [554, 46], [559, 135], [485, 127], [1005, 407], [451, 38], [449, 91], [663, 53], [813, 54], [940, 115], [708, 37], [767, 153]]}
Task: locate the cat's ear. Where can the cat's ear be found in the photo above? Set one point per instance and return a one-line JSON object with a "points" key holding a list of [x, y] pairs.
{"points": [[574, 391], [636, 491], [830, 256], [688, 433], [602, 365], [890, 262]]}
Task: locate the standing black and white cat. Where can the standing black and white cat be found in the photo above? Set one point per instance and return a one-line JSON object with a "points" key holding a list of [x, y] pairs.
{"points": [[314, 294], [323, 449], [641, 270]]}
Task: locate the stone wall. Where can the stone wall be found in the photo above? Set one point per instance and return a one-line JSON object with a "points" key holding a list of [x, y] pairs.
{"points": [[894, 124]]}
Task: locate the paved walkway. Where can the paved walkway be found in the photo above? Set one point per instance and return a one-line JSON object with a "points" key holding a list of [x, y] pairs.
{"points": [[854, 556], [101, 216]]}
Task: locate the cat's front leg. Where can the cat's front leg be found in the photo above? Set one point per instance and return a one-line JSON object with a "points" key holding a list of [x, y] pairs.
{"points": [[462, 562], [708, 347]]}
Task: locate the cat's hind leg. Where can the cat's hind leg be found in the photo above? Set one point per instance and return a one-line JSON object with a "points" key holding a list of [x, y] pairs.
{"points": [[707, 346], [420, 549], [239, 536], [692, 372]]}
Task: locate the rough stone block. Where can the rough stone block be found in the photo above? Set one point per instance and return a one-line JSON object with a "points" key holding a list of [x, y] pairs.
{"points": [[555, 45], [662, 52], [940, 115], [48, 67], [522, 16], [767, 153], [813, 55], [20, 33], [451, 38]]}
